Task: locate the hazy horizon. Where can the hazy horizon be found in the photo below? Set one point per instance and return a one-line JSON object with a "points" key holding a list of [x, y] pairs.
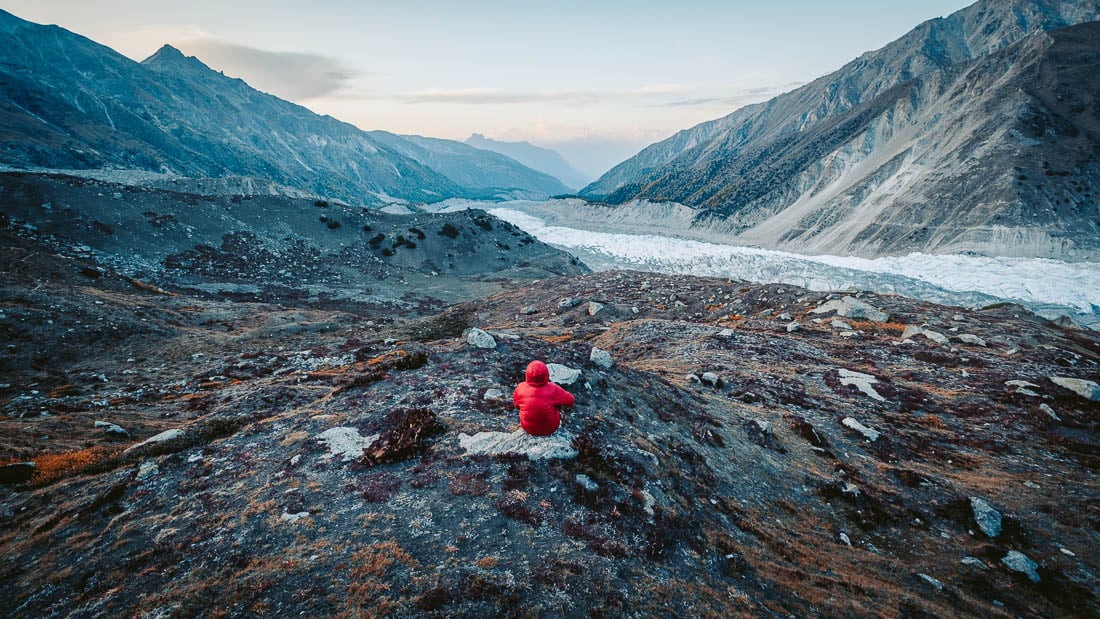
{"points": [[595, 81]]}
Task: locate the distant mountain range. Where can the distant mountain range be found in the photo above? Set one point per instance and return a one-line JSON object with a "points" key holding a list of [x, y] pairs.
{"points": [[974, 132], [68, 102], [536, 157]]}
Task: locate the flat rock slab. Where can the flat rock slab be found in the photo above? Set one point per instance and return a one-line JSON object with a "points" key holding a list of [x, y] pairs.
{"points": [[519, 443], [346, 442], [860, 381], [1085, 388]]}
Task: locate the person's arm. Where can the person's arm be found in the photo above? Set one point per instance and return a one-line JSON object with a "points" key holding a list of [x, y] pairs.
{"points": [[565, 398]]}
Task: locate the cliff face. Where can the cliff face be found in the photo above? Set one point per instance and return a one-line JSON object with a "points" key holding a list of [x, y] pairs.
{"points": [[976, 132], [68, 102]]}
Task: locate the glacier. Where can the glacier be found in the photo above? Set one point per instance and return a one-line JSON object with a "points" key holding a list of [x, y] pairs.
{"points": [[1050, 288]]}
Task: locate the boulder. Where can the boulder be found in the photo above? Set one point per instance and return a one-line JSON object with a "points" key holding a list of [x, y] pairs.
{"points": [[851, 307], [868, 433], [601, 358], [493, 394], [594, 308], [969, 338], [712, 379], [568, 302], [527, 310], [562, 375], [17, 473], [935, 336], [860, 381], [147, 469], [987, 518], [586, 482], [346, 442], [837, 323], [114, 431], [1085, 388], [793, 326], [519, 443], [479, 339], [1019, 562]]}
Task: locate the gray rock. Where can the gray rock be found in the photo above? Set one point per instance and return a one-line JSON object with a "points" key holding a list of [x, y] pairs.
{"points": [[911, 331], [601, 358], [587, 482], [860, 381], [851, 307], [568, 302], [563, 375], [594, 308], [726, 333], [932, 581], [712, 379], [935, 336], [1023, 387], [147, 469], [1049, 411], [1019, 562], [480, 339], [868, 433], [527, 310], [975, 562], [968, 338], [1085, 388], [493, 394], [793, 326], [17, 472], [784, 316], [556, 446], [988, 519], [692, 378], [837, 323], [844, 538], [112, 430]]}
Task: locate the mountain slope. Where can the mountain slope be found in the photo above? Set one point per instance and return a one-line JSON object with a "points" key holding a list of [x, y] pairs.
{"points": [[67, 102], [930, 127], [479, 171], [542, 159]]}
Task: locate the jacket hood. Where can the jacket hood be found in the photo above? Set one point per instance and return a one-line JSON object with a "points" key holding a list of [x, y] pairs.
{"points": [[537, 373]]}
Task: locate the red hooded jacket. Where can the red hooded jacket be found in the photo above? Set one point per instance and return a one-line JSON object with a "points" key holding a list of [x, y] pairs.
{"points": [[538, 400]]}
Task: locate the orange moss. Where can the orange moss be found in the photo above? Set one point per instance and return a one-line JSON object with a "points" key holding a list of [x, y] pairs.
{"points": [[555, 339], [52, 467], [878, 327], [487, 563]]}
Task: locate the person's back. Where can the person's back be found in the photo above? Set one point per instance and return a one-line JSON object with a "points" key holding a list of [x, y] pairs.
{"points": [[538, 400]]}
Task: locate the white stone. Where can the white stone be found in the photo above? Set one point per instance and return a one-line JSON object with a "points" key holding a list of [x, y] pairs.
{"points": [[493, 394], [111, 428], [844, 538], [346, 442], [932, 581], [594, 308], [292, 518], [568, 302], [860, 381], [711, 379], [1049, 411], [480, 339], [935, 336], [601, 358], [867, 433], [1085, 388], [1019, 562], [975, 562], [726, 333], [558, 445], [837, 323], [784, 316], [851, 307], [793, 326], [167, 435], [563, 375]]}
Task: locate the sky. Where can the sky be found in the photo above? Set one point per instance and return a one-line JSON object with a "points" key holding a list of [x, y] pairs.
{"points": [[596, 80]]}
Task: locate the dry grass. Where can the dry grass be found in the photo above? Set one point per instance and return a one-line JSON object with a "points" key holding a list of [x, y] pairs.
{"points": [[53, 467], [878, 327]]}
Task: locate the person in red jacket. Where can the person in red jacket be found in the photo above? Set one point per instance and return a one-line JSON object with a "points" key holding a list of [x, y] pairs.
{"points": [[538, 400]]}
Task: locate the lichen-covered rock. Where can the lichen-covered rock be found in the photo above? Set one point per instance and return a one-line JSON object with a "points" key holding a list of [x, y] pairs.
{"points": [[1019, 562], [868, 433], [860, 381], [519, 443], [345, 442]]}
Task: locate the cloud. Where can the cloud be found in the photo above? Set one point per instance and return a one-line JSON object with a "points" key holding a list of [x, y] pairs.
{"points": [[488, 96], [738, 99], [290, 75]]}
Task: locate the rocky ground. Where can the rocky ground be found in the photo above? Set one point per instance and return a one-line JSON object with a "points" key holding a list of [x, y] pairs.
{"points": [[741, 450]]}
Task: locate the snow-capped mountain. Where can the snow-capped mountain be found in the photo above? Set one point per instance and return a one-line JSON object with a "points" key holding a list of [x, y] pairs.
{"points": [[975, 132], [68, 102], [536, 157]]}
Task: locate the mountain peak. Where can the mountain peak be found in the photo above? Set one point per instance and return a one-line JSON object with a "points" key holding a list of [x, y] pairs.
{"points": [[169, 57]]}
